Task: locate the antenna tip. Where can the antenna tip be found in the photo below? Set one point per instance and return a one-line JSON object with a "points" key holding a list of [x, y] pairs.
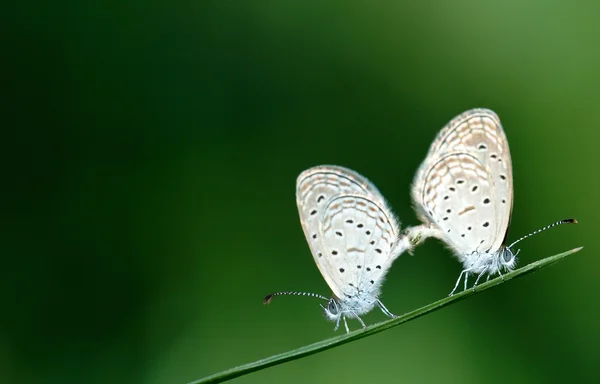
{"points": [[571, 221], [267, 299]]}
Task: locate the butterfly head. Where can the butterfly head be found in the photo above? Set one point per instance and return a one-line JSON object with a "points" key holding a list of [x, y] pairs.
{"points": [[332, 310], [507, 259]]}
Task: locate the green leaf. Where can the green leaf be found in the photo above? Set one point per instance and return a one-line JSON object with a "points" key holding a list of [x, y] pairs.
{"points": [[379, 327]]}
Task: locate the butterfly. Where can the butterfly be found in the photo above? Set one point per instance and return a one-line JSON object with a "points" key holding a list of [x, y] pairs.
{"points": [[353, 236], [463, 194]]}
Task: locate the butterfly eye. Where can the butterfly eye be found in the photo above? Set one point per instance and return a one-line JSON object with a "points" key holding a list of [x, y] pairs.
{"points": [[332, 307], [507, 256]]}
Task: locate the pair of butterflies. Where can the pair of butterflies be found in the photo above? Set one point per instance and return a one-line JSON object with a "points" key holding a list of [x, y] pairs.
{"points": [[463, 194]]}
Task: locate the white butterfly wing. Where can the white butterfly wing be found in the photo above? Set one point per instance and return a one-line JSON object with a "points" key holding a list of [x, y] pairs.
{"points": [[358, 240], [457, 197], [316, 188], [478, 134]]}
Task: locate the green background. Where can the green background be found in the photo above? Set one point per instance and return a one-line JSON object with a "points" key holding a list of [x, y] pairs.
{"points": [[150, 151]]}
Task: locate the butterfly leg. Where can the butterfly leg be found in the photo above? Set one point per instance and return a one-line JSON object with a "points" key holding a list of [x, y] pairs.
{"points": [[337, 324], [477, 281], [458, 281], [385, 310], [346, 324], [501, 275], [361, 321]]}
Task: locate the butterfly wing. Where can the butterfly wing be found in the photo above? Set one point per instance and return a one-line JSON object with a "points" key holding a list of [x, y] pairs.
{"points": [[316, 188], [359, 243], [478, 134], [325, 181], [457, 196]]}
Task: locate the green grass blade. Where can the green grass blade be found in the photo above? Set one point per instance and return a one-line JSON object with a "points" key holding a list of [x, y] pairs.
{"points": [[376, 328]]}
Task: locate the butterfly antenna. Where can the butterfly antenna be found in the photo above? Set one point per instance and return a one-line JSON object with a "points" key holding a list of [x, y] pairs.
{"points": [[268, 298], [566, 221]]}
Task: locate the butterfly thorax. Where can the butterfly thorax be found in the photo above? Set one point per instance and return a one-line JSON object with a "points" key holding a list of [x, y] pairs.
{"points": [[489, 262]]}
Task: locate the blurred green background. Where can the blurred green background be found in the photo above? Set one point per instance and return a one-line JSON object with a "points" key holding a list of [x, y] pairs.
{"points": [[150, 151]]}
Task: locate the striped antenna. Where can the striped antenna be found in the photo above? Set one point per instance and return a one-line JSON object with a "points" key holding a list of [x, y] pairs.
{"points": [[268, 298], [566, 221]]}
